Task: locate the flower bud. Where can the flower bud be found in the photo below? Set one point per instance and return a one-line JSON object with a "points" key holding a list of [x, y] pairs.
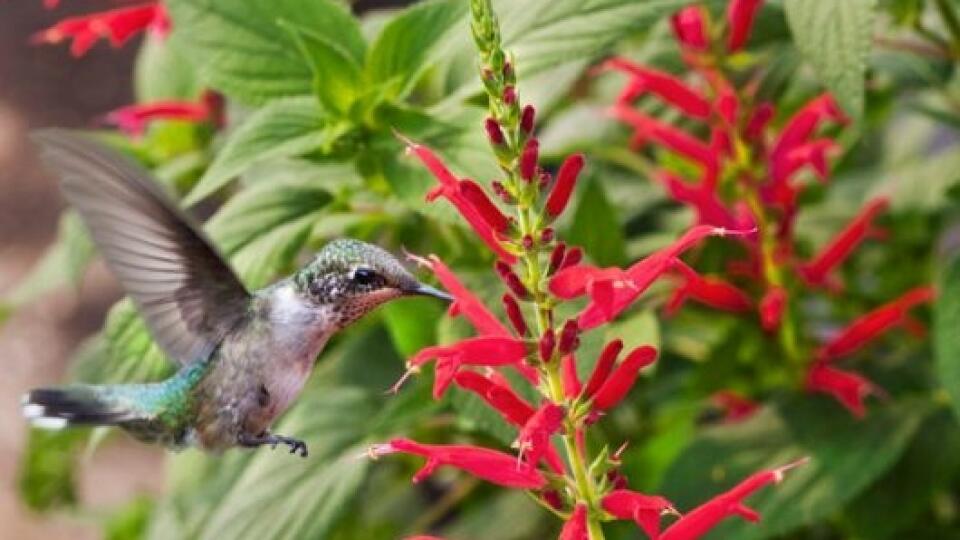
{"points": [[512, 280], [547, 344], [622, 378], [501, 191], [569, 337], [494, 133], [568, 374], [556, 257], [566, 179], [515, 315], [509, 95], [545, 179], [527, 242], [573, 257], [528, 159], [546, 235], [527, 117], [603, 367]]}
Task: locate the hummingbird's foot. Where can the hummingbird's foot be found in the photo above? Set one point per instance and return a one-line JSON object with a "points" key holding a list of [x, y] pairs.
{"points": [[296, 445]]}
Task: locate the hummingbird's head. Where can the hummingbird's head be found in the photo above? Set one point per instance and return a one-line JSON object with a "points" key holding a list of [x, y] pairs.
{"points": [[353, 277]]}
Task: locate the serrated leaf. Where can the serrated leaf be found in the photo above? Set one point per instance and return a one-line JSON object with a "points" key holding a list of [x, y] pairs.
{"points": [[239, 49], [285, 128], [846, 456], [336, 75], [406, 45], [835, 38], [162, 71]]}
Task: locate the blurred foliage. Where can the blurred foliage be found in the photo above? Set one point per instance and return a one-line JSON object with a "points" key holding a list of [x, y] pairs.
{"points": [[315, 96]]}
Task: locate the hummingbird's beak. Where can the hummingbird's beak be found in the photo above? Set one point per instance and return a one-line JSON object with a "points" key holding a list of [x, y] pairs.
{"points": [[426, 290]]}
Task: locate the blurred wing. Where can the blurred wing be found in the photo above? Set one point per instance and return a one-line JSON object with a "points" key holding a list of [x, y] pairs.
{"points": [[183, 288]]}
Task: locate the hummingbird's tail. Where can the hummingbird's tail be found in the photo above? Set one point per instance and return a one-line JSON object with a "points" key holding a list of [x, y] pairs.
{"points": [[55, 408]]}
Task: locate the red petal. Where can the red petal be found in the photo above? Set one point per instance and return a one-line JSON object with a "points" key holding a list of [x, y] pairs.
{"points": [[576, 527], [701, 519], [469, 305], [133, 119], [501, 398], [603, 367], [802, 124], [116, 25], [645, 510], [712, 292], [478, 351], [534, 437], [875, 323], [489, 211], [623, 377], [848, 388], [490, 465], [666, 86], [689, 27], [571, 381], [736, 407], [563, 187], [740, 15], [843, 244], [666, 135]]}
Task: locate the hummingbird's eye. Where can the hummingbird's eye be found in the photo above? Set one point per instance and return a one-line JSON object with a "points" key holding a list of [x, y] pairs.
{"points": [[364, 276]]}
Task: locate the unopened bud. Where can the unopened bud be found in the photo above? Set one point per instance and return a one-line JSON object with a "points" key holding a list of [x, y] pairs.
{"points": [[546, 235], [526, 119], [528, 159], [515, 315], [494, 133], [512, 280], [573, 256], [547, 344], [509, 95], [556, 257], [569, 337], [545, 179], [527, 242]]}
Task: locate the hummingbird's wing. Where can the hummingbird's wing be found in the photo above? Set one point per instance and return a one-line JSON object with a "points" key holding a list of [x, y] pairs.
{"points": [[183, 288]]}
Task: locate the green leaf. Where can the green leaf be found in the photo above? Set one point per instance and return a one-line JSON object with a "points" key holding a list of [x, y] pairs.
{"points": [[412, 323], [285, 128], [846, 456], [835, 38], [65, 263], [46, 478], [263, 228], [946, 335], [162, 71], [336, 75], [409, 43], [596, 226], [239, 49], [128, 354]]}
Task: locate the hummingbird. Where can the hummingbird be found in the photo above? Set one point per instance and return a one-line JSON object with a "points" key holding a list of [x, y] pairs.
{"points": [[243, 356]]}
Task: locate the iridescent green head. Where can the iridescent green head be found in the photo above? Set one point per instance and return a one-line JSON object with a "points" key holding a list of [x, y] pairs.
{"points": [[354, 277]]}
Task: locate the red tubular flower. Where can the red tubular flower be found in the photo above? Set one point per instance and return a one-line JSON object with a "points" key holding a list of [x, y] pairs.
{"points": [[464, 300], [576, 527], [712, 292], [771, 308], [842, 245], [534, 438], [478, 351], [572, 257], [478, 198], [802, 124], [813, 153], [511, 280], [665, 86], [703, 199], [848, 388], [701, 519], [451, 188], [484, 463], [133, 119], [116, 25], [566, 179], [568, 374], [761, 116], [736, 407], [603, 367], [873, 324], [645, 510], [646, 127], [690, 28], [740, 15], [501, 398], [569, 337], [621, 380]]}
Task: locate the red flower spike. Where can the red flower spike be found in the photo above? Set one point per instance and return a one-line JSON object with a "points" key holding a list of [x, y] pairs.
{"points": [[450, 187], [478, 351], [665, 86], [802, 124], [690, 28], [569, 337], [133, 119], [568, 374], [501, 398], [645, 510], [843, 244], [771, 308], [566, 179], [762, 115], [603, 367], [576, 527], [621, 380], [848, 388], [712, 292], [646, 127], [116, 25], [736, 408], [494, 467], [527, 117], [813, 153], [740, 15], [494, 133], [528, 159], [534, 438], [701, 519], [873, 324], [514, 314], [469, 305], [547, 344]]}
